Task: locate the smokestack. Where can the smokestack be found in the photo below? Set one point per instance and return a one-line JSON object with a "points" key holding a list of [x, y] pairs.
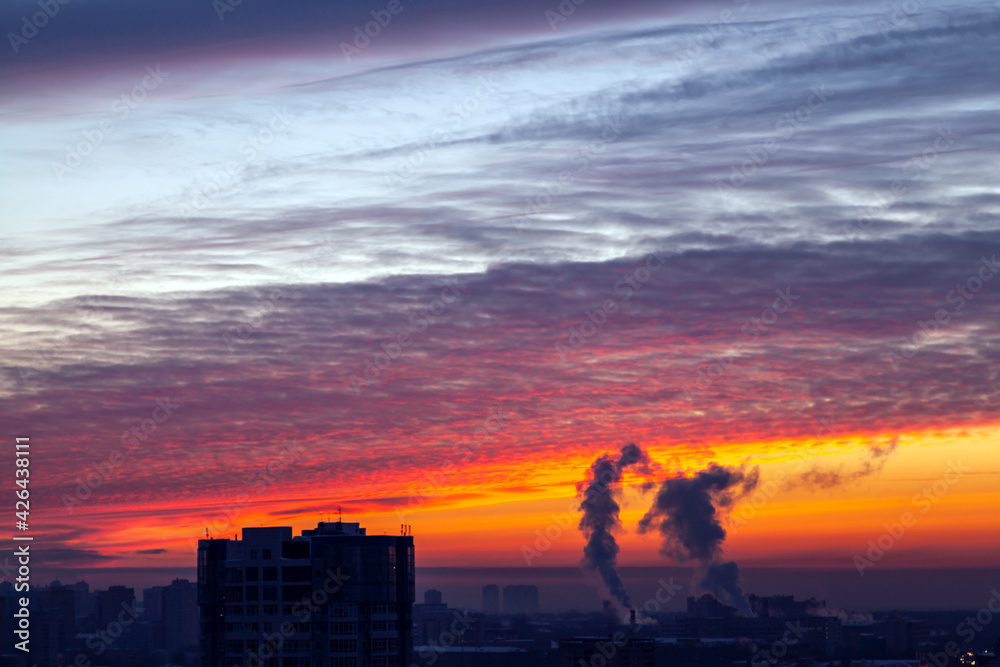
{"points": [[600, 518], [688, 511]]}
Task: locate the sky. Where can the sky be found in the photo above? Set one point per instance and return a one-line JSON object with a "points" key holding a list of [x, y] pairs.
{"points": [[259, 265]]}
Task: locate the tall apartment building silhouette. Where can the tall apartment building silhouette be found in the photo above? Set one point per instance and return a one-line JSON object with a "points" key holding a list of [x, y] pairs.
{"points": [[331, 597]]}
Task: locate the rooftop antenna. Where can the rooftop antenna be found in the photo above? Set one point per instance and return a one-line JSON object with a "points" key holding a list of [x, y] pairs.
{"points": [[340, 516]]}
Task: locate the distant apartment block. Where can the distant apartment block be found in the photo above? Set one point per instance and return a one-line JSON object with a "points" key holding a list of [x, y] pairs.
{"points": [[520, 600]]}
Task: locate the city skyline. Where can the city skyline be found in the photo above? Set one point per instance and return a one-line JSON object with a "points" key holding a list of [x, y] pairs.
{"points": [[267, 264], [249, 590]]}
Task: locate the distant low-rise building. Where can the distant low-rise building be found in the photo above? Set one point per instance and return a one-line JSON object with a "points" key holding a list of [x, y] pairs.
{"points": [[617, 650]]}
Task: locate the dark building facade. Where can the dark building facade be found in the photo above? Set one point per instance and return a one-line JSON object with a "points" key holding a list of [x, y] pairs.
{"points": [[112, 603], [56, 623], [179, 614], [617, 650], [520, 600], [491, 599], [331, 597]]}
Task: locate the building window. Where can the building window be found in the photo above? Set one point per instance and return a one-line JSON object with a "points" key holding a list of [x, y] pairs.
{"points": [[267, 554], [253, 554], [343, 610], [341, 628], [343, 646], [295, 593], [253, 574], [384, 645]]}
